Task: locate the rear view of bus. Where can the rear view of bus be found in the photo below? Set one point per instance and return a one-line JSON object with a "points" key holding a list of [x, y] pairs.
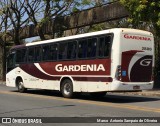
{"points": [[136, 61]]}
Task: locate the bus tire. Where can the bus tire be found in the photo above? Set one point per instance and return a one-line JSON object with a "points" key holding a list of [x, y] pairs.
{"points": [[67, 88], [20, 86], [98, 94]]}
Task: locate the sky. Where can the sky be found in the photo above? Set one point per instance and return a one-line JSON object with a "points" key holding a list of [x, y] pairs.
{"points": [[32, 39]]}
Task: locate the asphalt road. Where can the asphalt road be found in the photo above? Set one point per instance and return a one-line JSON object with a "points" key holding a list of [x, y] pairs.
{"points": [[42, 103]]}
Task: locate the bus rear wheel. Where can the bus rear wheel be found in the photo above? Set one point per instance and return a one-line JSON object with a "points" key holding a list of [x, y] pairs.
{"points": [[20, 86], [67, 88]]}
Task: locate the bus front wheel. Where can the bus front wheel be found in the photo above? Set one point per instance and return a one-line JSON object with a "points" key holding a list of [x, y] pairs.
{"points": [[67, 88], [20, 86]]}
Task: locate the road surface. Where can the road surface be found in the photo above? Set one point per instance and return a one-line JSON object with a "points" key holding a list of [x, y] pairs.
{"points": [[42, 103]]}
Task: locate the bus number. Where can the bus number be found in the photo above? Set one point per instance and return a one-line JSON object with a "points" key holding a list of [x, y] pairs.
{"points": [[147, 48]]}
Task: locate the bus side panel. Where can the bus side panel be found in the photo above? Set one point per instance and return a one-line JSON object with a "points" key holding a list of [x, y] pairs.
{"points": [[47, 75], [98, 70], [11, 78], [80, 67]]}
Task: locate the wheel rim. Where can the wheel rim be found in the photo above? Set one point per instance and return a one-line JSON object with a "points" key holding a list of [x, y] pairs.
{"points": [[20, 85], [67, 89]]}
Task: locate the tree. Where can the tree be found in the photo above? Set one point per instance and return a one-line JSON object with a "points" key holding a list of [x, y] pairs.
{"points": [[3, 31], [144, 11], [52, 10], [12, 18], [16, 17]]}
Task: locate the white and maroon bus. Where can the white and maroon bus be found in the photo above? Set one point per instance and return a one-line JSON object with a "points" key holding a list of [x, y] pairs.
{"points": [[117, 59]]}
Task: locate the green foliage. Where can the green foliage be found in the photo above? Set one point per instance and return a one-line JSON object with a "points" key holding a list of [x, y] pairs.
{"points": [[97, 27], [86, 2], [75, 9], [144, 10]]}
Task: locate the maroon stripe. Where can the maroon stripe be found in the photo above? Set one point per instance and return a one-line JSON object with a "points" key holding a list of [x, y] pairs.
{"points": [[94, 79], [32, 70], [49, 67]]}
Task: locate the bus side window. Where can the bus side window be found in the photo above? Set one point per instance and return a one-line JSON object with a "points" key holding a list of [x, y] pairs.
{"points": [[37, 57], [21, 56], [107, 45], [53, 52], [104, 46], [45, 52], [62, 51], [100, 47], [92, 44], [72, 50], [82, 49], [31, 54]]}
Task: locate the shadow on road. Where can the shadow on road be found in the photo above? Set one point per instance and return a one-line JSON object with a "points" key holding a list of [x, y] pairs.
{"points": [[113, 98]]}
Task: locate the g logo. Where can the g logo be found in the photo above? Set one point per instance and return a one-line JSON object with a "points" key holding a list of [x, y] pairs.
{"points": [[146, 62]]}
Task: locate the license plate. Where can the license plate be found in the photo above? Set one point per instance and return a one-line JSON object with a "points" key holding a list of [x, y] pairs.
{"points": [[136, 87]]}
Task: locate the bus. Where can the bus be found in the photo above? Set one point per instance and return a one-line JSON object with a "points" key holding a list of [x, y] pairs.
{"points": [[118, 59]]}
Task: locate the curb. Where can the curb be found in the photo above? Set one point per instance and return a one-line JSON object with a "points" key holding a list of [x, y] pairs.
{"points": [[150, 93], [143, 93]]}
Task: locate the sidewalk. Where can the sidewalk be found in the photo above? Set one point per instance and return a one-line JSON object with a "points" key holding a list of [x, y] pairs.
{"points": [[2, 82], [153, 92]]}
